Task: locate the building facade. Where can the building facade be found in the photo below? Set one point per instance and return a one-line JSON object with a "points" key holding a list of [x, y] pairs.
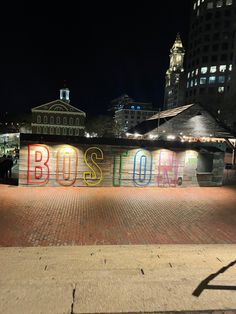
{"points": [[175, 77], [211, 57], [58, 117], [129, 113]]}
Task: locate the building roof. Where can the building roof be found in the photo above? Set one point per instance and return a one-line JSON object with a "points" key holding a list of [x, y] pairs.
{"points": [[170, 112], [190, 120], [59, 106]]}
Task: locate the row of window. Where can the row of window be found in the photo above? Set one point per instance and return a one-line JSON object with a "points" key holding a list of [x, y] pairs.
{"points": [[211, 69], [212, 59], [217, 15], [57, 131], [209, 91], [143, 113], [220, 48], [221, 79], [219, 4], [58, 120], [210, 4], [225, 37]]}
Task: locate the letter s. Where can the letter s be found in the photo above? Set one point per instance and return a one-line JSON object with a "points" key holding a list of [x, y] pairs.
{"points": [[92, 178]]}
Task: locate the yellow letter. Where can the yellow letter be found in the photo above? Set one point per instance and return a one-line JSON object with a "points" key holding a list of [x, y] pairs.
{"points": [[90, 177]]}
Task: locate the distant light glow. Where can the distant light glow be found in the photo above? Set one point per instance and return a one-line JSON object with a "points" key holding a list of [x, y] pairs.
{"points": [[171, 137]]}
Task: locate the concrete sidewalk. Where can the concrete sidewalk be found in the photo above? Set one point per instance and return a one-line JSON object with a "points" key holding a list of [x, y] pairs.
{"points": [[113, 279]]}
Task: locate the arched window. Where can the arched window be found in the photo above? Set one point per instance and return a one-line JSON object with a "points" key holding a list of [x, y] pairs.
{"points": [[51, 131], [58, 131], [45, 119], [71, 121], [64, 120], [77, 121], [58, 120], [51, 120], [70, 131], [44, 130], [38, 119], [64, 131]]}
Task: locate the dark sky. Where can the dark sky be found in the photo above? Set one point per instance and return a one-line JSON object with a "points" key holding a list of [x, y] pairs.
{"points": [[101, 48]]}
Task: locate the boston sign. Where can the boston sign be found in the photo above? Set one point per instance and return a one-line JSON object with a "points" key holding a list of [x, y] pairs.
{"points": [[54, 164]]}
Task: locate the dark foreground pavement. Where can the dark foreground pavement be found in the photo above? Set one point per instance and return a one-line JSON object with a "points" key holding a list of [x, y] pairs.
{"points": [[93, 216]]}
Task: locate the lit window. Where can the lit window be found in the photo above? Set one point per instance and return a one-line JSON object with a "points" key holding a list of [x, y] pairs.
{"points": [[202, 80], [195, 82], [221, 79], [192, 74], [132, 107], [196, 71], [221, 89], [204, 70], [138, 107], [210, 5], [230, 67], [191, 83], [212, 79], [187, 84], [229, 2], [222, 68], [213, 69], [188, 74], [194, 6], [219, 3], [198, 3]]}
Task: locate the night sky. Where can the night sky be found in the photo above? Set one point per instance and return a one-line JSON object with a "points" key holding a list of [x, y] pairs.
{"points": [[102, 49]]}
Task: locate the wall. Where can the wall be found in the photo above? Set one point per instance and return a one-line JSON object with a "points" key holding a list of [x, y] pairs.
{"points": [[53, 164]]}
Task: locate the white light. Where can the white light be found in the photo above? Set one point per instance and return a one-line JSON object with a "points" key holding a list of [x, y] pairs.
{"points": [[171, 137], [136, 134]]}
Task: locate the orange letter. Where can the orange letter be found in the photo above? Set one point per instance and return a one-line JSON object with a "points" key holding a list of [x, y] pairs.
{"points": [[69, 157]]}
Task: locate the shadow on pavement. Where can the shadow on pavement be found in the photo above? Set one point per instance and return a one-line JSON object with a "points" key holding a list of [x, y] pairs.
{"points": [[205, 283]]}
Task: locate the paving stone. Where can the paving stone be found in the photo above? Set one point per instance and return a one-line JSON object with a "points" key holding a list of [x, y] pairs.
{"points": [[36, 216]]}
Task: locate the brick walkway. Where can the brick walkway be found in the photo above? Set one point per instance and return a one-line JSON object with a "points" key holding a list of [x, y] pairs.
{"points": [[75, 216]]}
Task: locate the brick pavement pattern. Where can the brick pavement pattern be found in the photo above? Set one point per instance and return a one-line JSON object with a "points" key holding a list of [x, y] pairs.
{"points": [[31, 216]]}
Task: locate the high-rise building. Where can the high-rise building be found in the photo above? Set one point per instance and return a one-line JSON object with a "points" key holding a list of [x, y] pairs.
{"points": [[211, 57], [175, 78]]}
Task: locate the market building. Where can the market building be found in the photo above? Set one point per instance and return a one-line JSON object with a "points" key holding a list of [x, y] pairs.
{"points": [[58, 117]]}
